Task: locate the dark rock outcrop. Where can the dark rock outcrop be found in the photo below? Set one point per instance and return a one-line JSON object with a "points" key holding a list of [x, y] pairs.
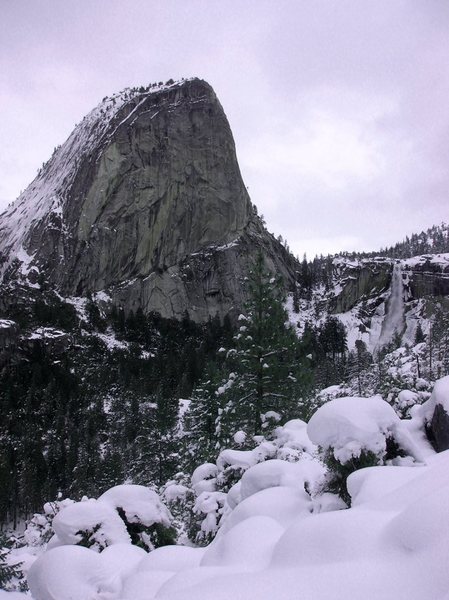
{"points": [[438, 429]]}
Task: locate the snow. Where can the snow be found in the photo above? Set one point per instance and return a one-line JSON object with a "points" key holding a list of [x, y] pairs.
{"points": [[406, 399], [245, 458], [111, 342], [272, 473], [102, 296], [248, 545], [102, 524], [204, 478], [144, 585], [284, 504], [71, 573], [371, 483], [139, 503], [122, 559], [435, 259], [293, 435], [79, 305], [280, 536], [351, 425], [172, 558], [6, 323], [46, 333], [204, 471], [239, 437], [440, 395], [175, 491]]}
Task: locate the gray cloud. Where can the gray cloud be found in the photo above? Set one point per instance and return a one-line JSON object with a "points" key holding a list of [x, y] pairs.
{"points": [[339, 109]]}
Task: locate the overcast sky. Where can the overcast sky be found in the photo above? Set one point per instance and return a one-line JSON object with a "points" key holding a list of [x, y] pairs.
{"points": [[339, 108]]}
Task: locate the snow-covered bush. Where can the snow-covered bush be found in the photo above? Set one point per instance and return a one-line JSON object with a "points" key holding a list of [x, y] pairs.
{"points": [[354, 433], [147, 520], [92, 524], [232, 464], [39, 529], [179, 497], [125, 514], [209, 506], [11, 576]]}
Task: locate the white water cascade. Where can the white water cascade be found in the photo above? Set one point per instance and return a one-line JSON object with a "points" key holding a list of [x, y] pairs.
{"points": [[394, 317]]}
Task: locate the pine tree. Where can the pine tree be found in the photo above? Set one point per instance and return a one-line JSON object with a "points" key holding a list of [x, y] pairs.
{"points": [[9, 574], [419, 334]]}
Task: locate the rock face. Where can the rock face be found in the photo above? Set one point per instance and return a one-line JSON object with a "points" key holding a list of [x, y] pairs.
{"points": [[429, 277], [360, 280], [144, 200]]}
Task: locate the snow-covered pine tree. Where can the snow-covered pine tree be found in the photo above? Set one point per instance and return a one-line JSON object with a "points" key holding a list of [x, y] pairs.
{"points": [[268, 382], [200, 420]]}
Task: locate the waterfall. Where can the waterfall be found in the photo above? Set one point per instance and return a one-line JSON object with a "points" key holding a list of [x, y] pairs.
{"points": [[394, 317]]}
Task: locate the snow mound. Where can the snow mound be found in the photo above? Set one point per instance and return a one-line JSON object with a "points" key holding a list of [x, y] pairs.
{"points": [[283, 504], [249, 544], [72, 573], [372, 483], [144, 585], [172, 558]]}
